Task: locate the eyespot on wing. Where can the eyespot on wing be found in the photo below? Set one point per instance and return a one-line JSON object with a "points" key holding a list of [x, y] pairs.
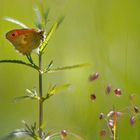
{"points": [[11, 35]]}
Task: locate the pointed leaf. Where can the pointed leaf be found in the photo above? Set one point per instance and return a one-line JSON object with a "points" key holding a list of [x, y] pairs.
{"points": [[21, 98], [31, 94], [27, 126], [20, 62], [50, 65], [60, 20], [45, 42], [46, 16], [26, 97], [49, 35], [16, 22], [66, 68], [38, 18], [57, 89], [32, 130]]}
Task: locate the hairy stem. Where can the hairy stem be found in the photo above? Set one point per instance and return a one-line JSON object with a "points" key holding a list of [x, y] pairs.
{"points": [[40, 95]]}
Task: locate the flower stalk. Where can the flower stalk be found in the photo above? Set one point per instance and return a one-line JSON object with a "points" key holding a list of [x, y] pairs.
{"points": [[40, 97]]}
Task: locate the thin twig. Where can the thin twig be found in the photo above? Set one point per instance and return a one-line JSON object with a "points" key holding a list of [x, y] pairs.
{"points": [[20, 62]]}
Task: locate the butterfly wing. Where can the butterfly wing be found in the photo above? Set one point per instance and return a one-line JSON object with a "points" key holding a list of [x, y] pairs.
{"points": [[25, 40]]}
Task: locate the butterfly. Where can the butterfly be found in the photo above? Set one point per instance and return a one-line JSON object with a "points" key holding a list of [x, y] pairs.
{"points": [[25, 40]]}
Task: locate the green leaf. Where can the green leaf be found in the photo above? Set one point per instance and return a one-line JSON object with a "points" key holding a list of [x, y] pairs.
{"points": [[16, 22], [55, 89], [66, 68], [45, 42], [17, 133], [38, 18], [32, 130], [20, 62], [21, 98], [30, 94], [60, 20], [49, 35], [46, 16], [50, 65]]}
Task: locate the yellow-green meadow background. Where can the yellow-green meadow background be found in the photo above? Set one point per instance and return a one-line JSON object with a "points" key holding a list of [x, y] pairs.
{"points": [[103, 33]]}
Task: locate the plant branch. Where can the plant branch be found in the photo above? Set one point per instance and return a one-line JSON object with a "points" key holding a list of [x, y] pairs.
{"points": [[21, 62]]}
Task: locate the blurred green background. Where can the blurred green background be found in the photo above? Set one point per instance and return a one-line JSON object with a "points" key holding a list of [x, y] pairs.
{"points": [[105, 34]]}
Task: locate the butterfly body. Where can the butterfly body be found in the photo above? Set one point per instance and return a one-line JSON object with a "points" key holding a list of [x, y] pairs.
{"points": [[25, 40]]}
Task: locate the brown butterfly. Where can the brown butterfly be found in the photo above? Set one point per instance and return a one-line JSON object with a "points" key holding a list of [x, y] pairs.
{"points": [[25, 40]]}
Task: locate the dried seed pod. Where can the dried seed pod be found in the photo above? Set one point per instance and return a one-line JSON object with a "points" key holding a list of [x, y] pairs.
{"points": [[63, 134], [101, 116], [93, 97], [108, 89], [132, 120], [93, 76], [103, 133], [118, 92], [136, 109]]}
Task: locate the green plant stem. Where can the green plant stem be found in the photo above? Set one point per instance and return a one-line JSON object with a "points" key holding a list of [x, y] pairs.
{"points": [[41, 96]]}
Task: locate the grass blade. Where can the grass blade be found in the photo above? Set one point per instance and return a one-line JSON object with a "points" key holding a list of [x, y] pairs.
{"points": [[46, 16], [49, 35], [38, 18], [66, 68], [16, 22], [44, 44], [57, 89]]}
